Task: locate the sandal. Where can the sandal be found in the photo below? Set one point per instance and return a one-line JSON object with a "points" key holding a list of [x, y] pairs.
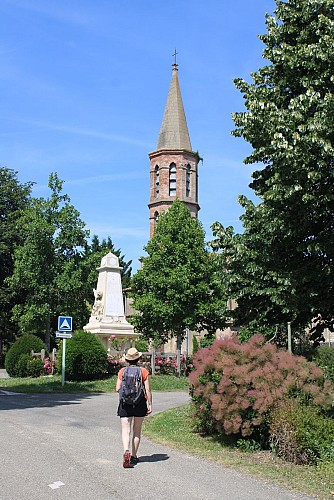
{"points": [[126, 460], [134, 460]]}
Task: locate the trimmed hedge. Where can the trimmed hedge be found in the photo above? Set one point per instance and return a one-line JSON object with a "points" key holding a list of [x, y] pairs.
{"points": [[86, 357], [28, 366], [22, 346]]}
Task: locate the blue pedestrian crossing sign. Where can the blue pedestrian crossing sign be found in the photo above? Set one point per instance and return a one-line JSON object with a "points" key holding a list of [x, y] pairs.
{"points": [[64, 323]]}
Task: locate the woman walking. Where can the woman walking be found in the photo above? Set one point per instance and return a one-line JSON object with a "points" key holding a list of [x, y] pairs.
{"points": [[132, 414]]}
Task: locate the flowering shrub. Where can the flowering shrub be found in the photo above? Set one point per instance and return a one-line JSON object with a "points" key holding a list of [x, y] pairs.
{"points": [[145, 362], [49, 366], [114, 365], [189, 365], [235, 385], [167, 366], [163, 365]]}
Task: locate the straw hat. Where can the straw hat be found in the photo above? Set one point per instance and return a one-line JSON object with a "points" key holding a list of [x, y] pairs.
{"points": [[132, 354]]}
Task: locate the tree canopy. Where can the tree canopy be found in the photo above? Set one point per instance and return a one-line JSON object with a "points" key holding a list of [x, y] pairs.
{"points": [[48, 265], [179, 284], [46, 269], [281, 267], [14, 199]]}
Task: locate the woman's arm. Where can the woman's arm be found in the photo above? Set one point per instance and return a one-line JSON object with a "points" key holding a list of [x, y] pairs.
{"points": [[148, 395], [118, 384], [119, 379]]}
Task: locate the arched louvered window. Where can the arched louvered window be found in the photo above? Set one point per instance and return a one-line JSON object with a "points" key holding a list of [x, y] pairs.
{"points": [[172, 179], [188, 172], [156, 218], [157, 181]]}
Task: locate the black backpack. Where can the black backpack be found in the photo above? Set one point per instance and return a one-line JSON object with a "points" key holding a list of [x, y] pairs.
{"points": [[132, 390]]}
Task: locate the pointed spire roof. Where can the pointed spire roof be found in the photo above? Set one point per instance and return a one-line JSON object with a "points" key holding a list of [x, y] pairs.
{"points": [[174, 131]]}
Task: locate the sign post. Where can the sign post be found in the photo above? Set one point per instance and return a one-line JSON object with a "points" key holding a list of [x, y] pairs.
{"points": [[64, 332], [289, 338], [63, 363]]}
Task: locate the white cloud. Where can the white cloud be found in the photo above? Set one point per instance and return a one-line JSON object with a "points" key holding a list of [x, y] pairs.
{"points": [[107, 178], [98, 179], [104, 230], [97, 134]]}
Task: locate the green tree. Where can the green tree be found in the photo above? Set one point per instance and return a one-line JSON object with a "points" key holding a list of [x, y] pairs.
{"points": [[47, 265], [282, 266], [14, 198], [178, 284]]}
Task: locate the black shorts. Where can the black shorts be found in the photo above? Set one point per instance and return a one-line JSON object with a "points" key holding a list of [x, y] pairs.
{"points": [[132, 411]]}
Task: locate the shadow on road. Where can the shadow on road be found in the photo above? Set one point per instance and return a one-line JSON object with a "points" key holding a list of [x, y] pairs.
{"points": [[9, 400], [156, 457]]}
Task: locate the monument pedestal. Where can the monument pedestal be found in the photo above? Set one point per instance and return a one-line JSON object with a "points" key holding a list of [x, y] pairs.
{"points": [[108, 317]]}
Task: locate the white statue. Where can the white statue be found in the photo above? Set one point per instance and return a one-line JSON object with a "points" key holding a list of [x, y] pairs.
{"points": [[97, 310]]}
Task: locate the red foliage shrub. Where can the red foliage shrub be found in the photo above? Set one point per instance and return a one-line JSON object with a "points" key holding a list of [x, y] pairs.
{"points": [[235, 385]]}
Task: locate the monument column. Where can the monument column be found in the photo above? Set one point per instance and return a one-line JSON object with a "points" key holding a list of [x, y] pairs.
{"points": [[108, 316]]}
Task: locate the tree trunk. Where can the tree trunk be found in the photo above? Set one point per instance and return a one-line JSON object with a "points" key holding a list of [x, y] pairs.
{"points": [[153, 361], [47, 332], [178, 354]]}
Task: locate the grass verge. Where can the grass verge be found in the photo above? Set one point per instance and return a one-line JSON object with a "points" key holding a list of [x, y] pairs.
{"points": [[174, 429], [53, 384]]}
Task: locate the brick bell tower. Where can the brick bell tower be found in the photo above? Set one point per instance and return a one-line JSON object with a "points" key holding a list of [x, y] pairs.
{"points": [[173, 166]]}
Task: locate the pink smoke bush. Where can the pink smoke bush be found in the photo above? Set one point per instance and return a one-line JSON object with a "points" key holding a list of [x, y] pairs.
{"points": [[235, 385]]}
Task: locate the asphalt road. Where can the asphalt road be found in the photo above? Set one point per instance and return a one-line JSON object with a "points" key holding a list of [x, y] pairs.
{"points": [[66, 446]]}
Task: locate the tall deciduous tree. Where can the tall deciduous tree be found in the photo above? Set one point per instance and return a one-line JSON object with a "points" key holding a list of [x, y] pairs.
{"points": [[47, 264], [283, 263], [178, 284], [14, 198]]}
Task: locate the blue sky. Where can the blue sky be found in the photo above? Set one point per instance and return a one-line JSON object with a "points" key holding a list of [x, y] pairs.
{"points": [[83, 86]]}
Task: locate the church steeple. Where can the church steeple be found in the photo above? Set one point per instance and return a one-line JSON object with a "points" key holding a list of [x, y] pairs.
{"points": [[174, 130], [174, 166]]}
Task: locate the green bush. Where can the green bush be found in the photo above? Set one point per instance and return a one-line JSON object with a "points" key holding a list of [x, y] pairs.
{"points": [[35, 367], [235, 386], [324, 357], [22, 365], [195, 345], [23, 345], [28, 366], [206, 341], [301, 434], [86, 358], [141, 345]]}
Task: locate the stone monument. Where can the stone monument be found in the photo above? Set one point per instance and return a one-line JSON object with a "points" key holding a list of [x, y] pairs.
{"points": [[108, 316]]}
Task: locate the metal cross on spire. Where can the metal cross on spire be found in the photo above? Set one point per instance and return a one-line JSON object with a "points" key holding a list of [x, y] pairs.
{"points": [[174, 55]]}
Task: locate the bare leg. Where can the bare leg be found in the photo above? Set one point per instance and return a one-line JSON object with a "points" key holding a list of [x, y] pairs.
{"points": [[126, 430], [136, 433]]}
